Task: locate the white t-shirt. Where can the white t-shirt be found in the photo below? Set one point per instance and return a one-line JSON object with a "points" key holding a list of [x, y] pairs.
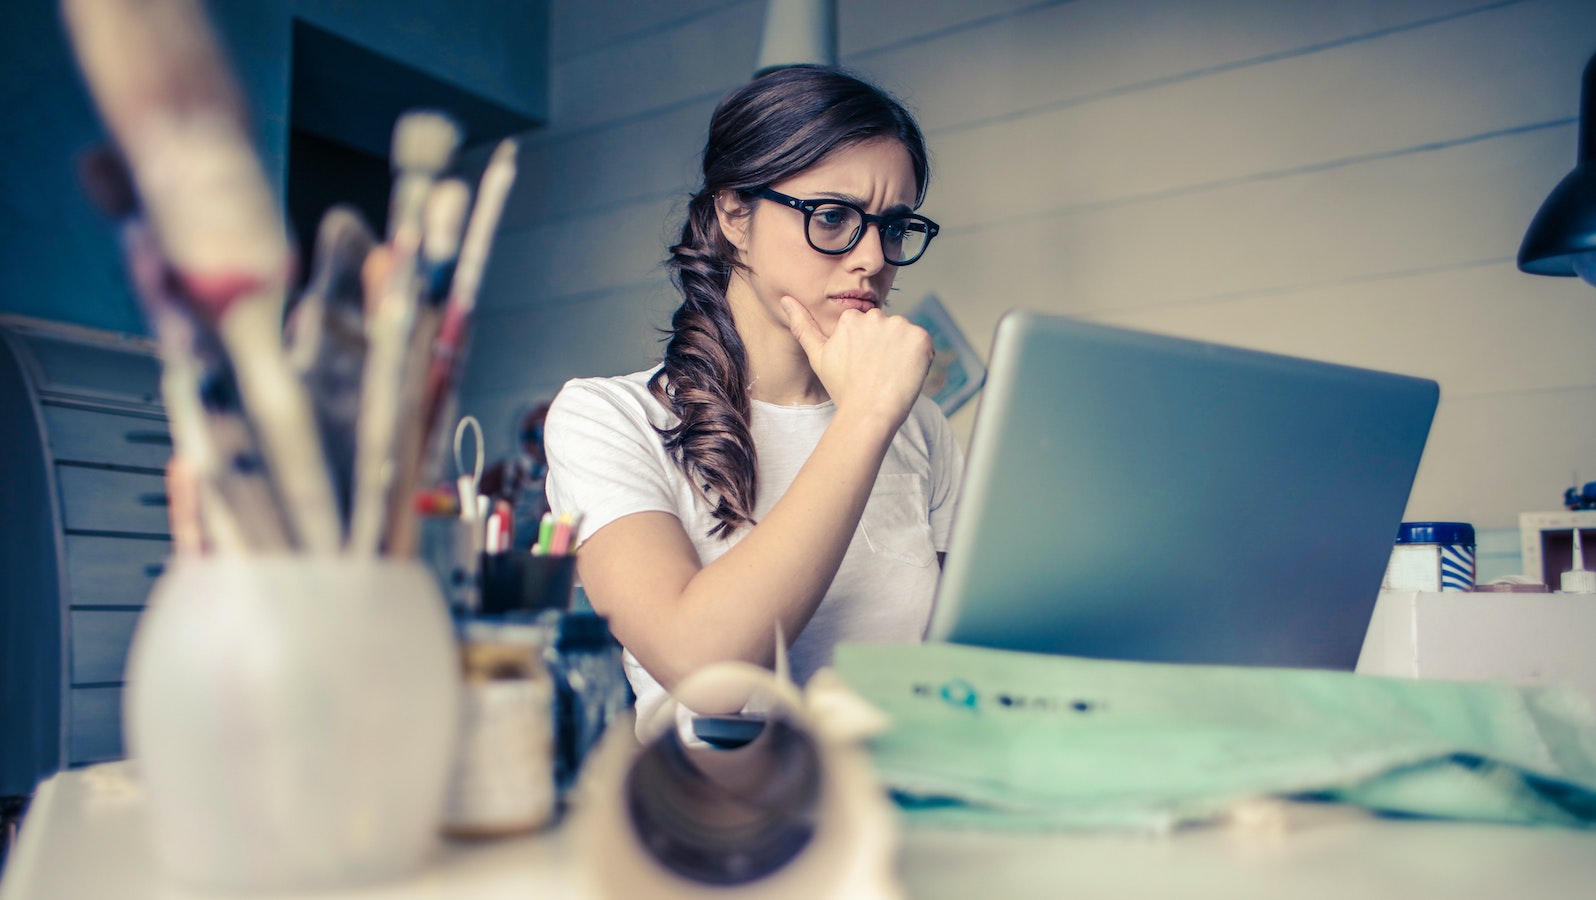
{"points": [[606, 460]]}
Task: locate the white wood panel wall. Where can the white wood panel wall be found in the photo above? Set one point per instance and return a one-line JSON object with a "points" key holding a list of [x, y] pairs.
{"points": [[1341, 179]]}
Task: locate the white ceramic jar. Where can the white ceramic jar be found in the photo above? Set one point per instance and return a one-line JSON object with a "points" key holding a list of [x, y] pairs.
{"points": [[293, 720]]}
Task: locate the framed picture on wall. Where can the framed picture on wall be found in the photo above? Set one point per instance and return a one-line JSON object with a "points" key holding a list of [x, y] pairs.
{"points": [[957, 373]]}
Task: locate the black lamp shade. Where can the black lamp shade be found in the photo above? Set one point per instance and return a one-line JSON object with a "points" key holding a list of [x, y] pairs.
{"points": [[1566, 223]]}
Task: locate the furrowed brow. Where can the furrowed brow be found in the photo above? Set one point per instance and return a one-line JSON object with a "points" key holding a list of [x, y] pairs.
{"points": [[891, 212]]}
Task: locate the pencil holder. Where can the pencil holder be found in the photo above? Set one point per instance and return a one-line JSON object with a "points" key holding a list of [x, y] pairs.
{"points": [[293, 720], [514, 582]]}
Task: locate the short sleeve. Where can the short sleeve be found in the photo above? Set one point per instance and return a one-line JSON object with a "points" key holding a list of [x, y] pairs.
{"points": [[947, 472], [605, 459]]}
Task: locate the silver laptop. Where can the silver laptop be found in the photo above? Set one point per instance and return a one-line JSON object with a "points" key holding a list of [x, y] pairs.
{"points": [[1141, 497]]}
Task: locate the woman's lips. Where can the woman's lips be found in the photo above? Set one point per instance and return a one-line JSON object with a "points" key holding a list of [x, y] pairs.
{"points": [[861, 302]]}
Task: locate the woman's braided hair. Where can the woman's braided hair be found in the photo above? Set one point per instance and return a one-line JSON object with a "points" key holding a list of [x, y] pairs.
{"points": [[770, 129]]}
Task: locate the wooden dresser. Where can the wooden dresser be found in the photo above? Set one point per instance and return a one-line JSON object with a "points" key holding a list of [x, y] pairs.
{"points": [[83, 446]]}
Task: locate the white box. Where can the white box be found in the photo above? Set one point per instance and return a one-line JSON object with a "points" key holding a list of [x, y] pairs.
{"points": [[1546, 541], [1524, 639]]}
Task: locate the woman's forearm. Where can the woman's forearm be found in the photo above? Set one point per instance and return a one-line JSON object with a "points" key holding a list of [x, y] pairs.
{"points": [[779, 572]]}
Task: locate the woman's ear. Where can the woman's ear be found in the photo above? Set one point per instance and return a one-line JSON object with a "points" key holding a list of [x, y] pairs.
{"points": [[733, 213]]}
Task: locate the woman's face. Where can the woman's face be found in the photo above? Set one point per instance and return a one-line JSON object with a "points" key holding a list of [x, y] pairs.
{"points": [[875, 175]]}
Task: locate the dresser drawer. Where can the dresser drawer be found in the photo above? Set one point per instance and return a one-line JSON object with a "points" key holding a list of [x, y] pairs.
{"points": [[95, 727], [105, 500], [100, 639], [110, 571], [125, 374], [80, 435]]}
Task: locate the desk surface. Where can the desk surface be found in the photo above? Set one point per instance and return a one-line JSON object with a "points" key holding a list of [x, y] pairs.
{"points": [[84, 839]]}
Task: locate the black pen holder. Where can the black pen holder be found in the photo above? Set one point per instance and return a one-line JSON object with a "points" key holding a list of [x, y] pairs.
{"points": [[521, 582]]}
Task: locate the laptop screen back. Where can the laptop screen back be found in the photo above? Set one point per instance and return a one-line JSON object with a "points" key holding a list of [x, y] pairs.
{"points": [[1142, 497]]}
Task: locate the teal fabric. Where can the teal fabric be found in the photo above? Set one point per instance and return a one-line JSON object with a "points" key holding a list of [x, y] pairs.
{"points": [[998, 739]]}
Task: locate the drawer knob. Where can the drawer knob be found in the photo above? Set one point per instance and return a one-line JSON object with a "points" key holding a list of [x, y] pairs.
{"points": [[152, 499], [157, 438], [154, 570]]}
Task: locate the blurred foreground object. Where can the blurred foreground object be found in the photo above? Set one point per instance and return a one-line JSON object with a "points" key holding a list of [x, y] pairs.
{"points": [[319, 447], [795, 812], [162, 85], [292, 706], [293, 720]]}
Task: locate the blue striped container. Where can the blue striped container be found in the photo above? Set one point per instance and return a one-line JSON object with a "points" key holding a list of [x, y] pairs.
{"points": [[1432, 556]]}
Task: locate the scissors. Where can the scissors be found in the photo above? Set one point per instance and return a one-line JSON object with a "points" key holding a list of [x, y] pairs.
{"points": [[466, 484]]}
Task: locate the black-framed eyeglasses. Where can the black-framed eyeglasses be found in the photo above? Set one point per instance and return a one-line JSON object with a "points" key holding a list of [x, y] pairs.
{"points": [[834, 227]]}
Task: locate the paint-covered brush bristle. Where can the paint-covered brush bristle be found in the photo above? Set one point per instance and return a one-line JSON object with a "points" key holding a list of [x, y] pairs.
{"points": [[106, 179], [342, 241], [424, 142], [444, 219]]}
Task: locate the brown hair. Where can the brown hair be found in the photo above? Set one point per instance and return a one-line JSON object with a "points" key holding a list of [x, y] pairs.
{"points": [[768, 130]]}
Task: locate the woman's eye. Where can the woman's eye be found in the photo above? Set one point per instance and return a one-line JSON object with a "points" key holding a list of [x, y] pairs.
{"points": [[894, 231], [832, 217]]}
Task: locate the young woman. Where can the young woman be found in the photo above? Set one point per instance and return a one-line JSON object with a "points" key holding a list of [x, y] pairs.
{"points": [[780, 465]]}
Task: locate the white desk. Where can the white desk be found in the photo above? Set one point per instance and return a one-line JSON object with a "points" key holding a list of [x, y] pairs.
{"points": [[84, 840]]}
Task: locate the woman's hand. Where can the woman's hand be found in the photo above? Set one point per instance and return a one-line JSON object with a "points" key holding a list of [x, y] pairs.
{"points": [[871, 363], [677, 614]]}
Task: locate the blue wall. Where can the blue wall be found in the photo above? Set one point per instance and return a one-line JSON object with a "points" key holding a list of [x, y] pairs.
{"points": [[60, 259]]}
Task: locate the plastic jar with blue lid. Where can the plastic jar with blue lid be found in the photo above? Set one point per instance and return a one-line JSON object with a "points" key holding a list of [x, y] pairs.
{"points": [[1433, 557]]}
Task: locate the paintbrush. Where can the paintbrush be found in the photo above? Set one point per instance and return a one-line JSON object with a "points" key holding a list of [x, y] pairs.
{"points": [[423, 145], [238, 512], [454, 333], [160, 80], [444, 218], [447, 206], [327, 340]]}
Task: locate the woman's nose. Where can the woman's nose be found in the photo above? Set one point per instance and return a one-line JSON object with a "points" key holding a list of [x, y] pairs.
{"points": [[868, 256]]}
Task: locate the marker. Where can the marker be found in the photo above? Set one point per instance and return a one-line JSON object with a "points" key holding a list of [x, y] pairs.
{"points": [[493, 543], [506, 516], [560, 543], [545, 540], [571, 538]]}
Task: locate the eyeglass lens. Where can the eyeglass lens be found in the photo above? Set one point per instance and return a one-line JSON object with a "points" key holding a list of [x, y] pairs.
{"points": [[834, 227]]}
